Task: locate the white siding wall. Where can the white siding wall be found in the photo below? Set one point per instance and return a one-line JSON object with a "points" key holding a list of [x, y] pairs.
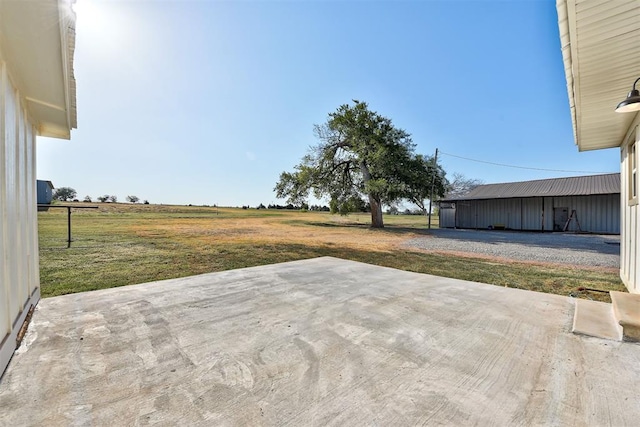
{"points": [[19, 276], [629, 235]]}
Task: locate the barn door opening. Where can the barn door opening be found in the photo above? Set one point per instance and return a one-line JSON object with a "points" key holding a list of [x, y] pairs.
{"points": [[560, 217]]}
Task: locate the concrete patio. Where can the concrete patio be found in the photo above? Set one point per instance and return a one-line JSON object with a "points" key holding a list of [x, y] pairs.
{"points": [[316, 342]]}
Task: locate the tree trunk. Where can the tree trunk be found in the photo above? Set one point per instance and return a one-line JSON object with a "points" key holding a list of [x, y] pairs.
{"points": [[376, 206], [376, 212]]}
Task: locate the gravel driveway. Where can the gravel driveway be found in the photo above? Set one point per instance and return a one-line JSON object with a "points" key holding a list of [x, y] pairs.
{"points": [[562, 248]]}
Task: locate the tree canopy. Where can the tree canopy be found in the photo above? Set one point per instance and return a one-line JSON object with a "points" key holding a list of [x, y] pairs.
{"points": [[360, 154], [461, 185], [424, 174], [64, 194]]}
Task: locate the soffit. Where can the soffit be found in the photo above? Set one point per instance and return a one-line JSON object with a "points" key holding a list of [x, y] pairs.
{"points": [[37, 41], [601, 52]]}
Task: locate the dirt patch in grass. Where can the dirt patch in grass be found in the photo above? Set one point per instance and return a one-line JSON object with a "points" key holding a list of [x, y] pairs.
{"points": [[266, 230]]}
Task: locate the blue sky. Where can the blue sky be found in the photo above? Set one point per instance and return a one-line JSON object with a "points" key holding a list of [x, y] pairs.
{"points": [[207, 102]]}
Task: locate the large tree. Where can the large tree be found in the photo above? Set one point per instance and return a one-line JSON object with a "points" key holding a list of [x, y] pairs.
{"points": [[423, 176], [64, 194], [461, 185], [360, 154]]}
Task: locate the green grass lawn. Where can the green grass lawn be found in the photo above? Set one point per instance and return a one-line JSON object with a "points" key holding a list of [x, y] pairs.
{"points": [[122, 244]]}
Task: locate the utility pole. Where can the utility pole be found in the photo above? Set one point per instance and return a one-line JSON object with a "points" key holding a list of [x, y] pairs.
{"points": [[433, 183]]}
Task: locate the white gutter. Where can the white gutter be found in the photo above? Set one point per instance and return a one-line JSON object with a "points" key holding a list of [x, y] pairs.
{"points": [[565, 9]]}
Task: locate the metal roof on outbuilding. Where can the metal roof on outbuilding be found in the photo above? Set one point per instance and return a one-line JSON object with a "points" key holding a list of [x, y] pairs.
{"points": [[49, 183], [572, 186]]}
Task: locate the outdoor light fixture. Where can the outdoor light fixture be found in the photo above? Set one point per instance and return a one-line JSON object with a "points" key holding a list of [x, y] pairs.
{"points": [[632, 103]]}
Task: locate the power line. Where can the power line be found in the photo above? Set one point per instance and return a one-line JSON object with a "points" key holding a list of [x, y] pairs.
{"points": [[519, 167]]}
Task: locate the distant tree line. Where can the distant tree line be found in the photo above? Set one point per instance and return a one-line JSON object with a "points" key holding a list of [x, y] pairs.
{"points": [[300, 207], [354, 204], [66, 194], [318, 208], [289, 206], [393, 210]]}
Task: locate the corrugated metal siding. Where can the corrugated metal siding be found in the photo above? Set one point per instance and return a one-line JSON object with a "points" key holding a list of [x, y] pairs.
{"points": [[447, 217], [483, 213], [532, 214], [44, 192], [515, 214], [547, 213], [596, 214], [19, 276]]}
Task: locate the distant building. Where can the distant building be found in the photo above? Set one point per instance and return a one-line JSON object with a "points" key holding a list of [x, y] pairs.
{"points": [[45, 193], [584, 203]]}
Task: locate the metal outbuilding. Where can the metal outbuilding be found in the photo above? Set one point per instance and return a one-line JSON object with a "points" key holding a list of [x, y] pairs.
{"points": [[583, 203], [45, 192]]}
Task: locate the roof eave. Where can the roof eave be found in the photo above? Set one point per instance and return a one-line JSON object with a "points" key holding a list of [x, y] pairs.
{"points": [[600, 50], [68, 47], [38, 43], [565, 46]]}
